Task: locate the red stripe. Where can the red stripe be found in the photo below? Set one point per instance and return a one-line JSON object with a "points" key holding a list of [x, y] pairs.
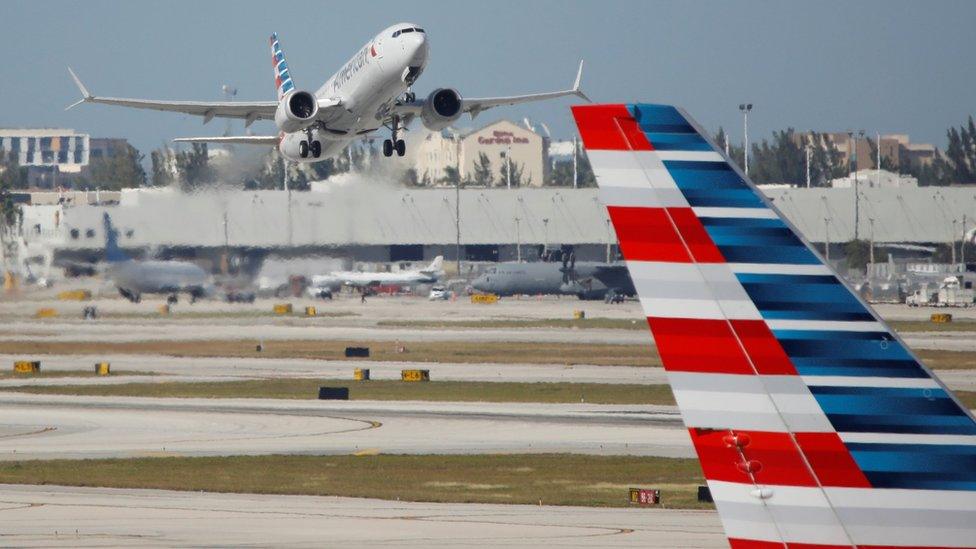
{"points": [[609, 127], [647, 234], [736, 543], [698, 345], [696, 238], [774, 457], [764, 350], [831, 461]]}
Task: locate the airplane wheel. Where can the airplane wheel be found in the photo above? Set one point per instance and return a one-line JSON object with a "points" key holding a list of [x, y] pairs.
{"points": [[303, 149], [401, 147], [136, 298], [410, 97], [316, 149], [387, 147]]}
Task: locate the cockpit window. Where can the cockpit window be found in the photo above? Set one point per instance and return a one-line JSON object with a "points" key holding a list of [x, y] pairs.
{"points": [[405, 31]]}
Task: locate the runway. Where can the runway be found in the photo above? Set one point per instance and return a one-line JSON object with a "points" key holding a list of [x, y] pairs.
{"points": [[44, 516], [53, 426]]}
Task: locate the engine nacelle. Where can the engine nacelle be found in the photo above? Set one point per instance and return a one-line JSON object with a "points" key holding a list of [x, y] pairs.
{"points": [[296, 111], [442, 107]]}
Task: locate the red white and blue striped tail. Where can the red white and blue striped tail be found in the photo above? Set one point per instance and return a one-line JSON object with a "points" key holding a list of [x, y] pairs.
{"points": [[283, 83], [815, 425]]}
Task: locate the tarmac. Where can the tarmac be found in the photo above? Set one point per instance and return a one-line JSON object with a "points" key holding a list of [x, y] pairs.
{"points": [[75, 427], [46, 516]]}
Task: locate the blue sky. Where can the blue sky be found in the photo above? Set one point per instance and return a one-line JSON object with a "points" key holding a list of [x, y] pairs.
{"points": [[888, 66]]}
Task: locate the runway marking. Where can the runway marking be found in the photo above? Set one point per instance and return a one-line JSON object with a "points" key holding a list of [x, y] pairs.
{"points": [[30, 433]]}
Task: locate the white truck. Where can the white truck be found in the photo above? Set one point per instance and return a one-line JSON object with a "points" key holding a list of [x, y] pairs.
{"points": [[952, 294]]}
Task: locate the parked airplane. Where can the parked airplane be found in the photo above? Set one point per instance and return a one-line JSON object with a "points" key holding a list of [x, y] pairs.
{"points": [[326, 284], [372, 90], [584, 279], [815, 424], [135, 277]]}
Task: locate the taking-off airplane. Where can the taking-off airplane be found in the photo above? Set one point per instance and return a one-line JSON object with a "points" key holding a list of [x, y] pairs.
{"points": [[371, 91]]}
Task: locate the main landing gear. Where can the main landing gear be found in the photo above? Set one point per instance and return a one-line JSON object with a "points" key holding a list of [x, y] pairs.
{"points": [[394, 144], [309, 146]]}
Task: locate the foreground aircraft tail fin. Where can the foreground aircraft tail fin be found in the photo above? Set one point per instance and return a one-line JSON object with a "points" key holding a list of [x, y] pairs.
{"points": [[113, 254], [283, 83], [814, 423]]}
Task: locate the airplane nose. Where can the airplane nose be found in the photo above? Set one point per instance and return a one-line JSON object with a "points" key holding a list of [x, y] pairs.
{"points": [[416, 48]]}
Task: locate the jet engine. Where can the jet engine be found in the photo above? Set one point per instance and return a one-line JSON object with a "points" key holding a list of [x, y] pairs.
{"points": [[296, 111], [442, 107]]}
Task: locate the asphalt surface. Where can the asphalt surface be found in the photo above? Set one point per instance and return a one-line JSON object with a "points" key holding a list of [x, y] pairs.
{"points": [[70, 427], [46, 516]]}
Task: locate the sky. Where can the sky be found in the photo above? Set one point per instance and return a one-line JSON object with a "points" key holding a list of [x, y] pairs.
{"points": [[881, 66]]}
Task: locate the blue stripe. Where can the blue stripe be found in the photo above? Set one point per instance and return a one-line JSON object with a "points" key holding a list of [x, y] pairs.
{"points": [[723, 222], [919, 466], [677, 142], [902, 369], [660, 119]]}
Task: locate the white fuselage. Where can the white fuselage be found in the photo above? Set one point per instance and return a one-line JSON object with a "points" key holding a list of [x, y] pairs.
{"points": [[357, 278], [367, 87]]}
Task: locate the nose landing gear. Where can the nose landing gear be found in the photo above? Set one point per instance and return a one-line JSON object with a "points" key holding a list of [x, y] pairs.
{"points": [[394, 144]]}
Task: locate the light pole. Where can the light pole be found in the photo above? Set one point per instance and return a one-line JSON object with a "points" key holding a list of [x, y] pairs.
{"points": [[745, 108], [808, 165], [871, 220], [545, 229], [827, 239], [518, 242]]}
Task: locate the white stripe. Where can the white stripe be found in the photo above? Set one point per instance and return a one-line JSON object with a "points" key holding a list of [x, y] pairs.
{"points": [[644, 196], [685, 290], [779, 268], [804, 516], [731, 401], [897, 438], [895, 517], [830, 325], [681, 308], [692, 156], [741, 213], [851, 381]]}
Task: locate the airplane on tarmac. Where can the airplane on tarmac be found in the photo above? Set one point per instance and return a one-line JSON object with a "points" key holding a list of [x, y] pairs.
{"points": [[135, 277], [324, 285], [372, 90], [586, 280]]}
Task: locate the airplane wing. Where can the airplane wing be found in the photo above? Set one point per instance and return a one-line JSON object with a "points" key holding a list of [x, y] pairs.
{"points": [[233, 140], [477, 105], [815, 425], [250, 111]]}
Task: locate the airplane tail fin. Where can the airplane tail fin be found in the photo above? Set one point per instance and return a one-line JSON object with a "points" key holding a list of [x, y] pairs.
{"points": [[113, 254], [815, 425], [436, 265], [283, 83]]}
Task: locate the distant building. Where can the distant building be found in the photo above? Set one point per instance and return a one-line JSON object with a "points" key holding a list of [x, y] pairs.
{"points": [[55, 157], [527, 150], [872, 179], [896, 149], [46, 152]]}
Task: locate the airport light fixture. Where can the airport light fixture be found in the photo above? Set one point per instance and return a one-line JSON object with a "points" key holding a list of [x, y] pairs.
{"points": [[745, 108]]}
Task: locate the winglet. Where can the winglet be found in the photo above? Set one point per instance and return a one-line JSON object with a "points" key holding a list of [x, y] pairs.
{"points": [[85, 94], [576, 85]]}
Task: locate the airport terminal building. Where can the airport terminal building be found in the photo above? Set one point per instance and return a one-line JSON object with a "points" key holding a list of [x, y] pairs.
{"points": [[381, 222]]}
